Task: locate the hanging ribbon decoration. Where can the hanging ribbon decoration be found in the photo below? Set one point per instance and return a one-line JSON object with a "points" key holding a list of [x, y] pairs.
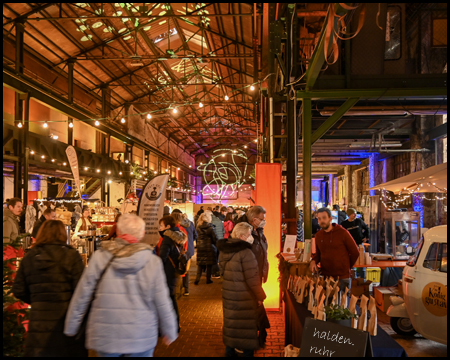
{"points": [[331, 30]]}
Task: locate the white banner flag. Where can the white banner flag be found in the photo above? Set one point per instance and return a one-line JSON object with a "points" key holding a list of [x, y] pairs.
{"points": [[151, 207], [73, 161]]}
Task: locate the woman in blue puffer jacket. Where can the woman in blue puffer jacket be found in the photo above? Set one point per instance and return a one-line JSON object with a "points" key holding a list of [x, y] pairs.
{"points": [[132, 299]]}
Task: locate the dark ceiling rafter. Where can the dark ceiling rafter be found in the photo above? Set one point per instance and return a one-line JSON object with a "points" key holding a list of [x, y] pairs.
{"points": [[134, 85]]}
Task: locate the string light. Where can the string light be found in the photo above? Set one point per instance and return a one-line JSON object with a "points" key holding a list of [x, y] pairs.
{"points": [[120, 172], [109, 181], [42, 156], [226, 98], [200, 104], [122, 120], [174, 110], [155, 172], [45, 125], [97, 123], [109, 172], [19, 125], [32, 152], [126, 161], [71, 124], [98, 170], [149, 116], [64, 163], [252, 88], [53, 160]]}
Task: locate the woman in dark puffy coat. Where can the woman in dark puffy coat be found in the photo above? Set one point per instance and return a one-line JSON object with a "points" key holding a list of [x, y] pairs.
{"points": [[206, 247], [242, 292], [46, 279]]}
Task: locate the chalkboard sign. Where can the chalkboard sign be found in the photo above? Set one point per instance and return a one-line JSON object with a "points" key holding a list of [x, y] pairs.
{"points": [[327, 339]]}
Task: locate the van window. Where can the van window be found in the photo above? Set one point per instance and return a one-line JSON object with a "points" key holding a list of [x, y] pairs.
{"points": [[434, 256], [413, 259]]}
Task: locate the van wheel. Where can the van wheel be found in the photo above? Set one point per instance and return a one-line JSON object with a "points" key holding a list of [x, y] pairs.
{"points": [[402, 326]]}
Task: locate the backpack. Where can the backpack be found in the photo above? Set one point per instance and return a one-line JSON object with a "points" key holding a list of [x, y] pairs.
{"points": [[183, 262]]}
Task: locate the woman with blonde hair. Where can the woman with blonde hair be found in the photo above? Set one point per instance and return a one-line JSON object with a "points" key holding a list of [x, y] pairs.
{"points": [[206, 247]]}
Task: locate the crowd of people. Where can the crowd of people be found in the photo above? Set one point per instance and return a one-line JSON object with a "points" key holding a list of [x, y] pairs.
{"points": [[125, 299]]}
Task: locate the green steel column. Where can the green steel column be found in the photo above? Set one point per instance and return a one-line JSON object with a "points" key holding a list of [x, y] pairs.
{"points": [[71, 64], [306, 150], [26, 148]]}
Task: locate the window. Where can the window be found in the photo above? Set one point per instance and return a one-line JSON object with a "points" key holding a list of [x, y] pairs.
{"points": [[413, 260], [436, 258]]}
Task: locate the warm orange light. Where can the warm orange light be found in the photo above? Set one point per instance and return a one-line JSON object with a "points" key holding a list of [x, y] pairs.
{"points": [[268, 176]]}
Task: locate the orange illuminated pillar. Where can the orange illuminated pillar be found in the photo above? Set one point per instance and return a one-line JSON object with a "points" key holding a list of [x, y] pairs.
{"points": [[268, 195]]}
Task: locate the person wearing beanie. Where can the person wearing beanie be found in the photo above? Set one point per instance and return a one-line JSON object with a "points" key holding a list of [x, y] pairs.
{"points": [[357, 228], [341, 214]]}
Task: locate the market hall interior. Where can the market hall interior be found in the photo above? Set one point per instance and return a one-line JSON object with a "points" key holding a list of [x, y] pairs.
{"points": [[232, 176]]}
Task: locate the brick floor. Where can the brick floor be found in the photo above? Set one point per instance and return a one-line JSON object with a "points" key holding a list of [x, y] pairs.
{"points": [[201, 321]]}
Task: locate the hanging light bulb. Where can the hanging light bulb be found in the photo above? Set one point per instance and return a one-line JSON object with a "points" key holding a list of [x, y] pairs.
{"points": [[120, 172], [252, 88], [155, 172], [19, 125], [223, 155], [122, 120], [226, 98], [126, 161], [109, 172], [109, 181], [167, 170], [98, 170], [53, 160], [235, 151], [149, 116], [71, 124], [42, 156], [174, 110], [85, 168], [178, 168], [97, 123], [245, 146], [200, 104], [45, 124], [32, 152], [64, 163]]}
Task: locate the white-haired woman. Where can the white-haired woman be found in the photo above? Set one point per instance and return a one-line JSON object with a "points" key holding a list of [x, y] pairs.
{"points": [[131, 296], [206, 247], [242, 293]]}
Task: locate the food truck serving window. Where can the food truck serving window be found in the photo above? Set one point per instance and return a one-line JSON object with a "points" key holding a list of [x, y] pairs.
{"points": [[436, 258]]}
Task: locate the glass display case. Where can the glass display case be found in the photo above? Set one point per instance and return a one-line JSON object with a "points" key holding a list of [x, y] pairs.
{"points": [[398, 231]]}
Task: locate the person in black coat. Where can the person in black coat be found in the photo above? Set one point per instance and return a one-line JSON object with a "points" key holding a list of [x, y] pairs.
{"points": [[171, 247], [201, 211], [206, 247], [242, 293], [315, 223], [341, 214], [46, 279], [48, 214], [357, 228], [256, 217]]}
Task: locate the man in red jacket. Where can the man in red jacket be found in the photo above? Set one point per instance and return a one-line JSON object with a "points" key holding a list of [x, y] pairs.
{"points": [[336, 251]]}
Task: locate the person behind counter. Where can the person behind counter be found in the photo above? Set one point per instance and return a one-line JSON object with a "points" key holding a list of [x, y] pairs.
{"points": [[46, 279], [336, 251], [84, 222]]}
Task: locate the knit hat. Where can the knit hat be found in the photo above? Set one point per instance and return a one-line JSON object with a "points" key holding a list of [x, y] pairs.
{"points": [[351, 211]]}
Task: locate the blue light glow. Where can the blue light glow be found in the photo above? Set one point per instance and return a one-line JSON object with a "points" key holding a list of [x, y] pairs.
{"points": [[418, 206], [372, 161]]}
